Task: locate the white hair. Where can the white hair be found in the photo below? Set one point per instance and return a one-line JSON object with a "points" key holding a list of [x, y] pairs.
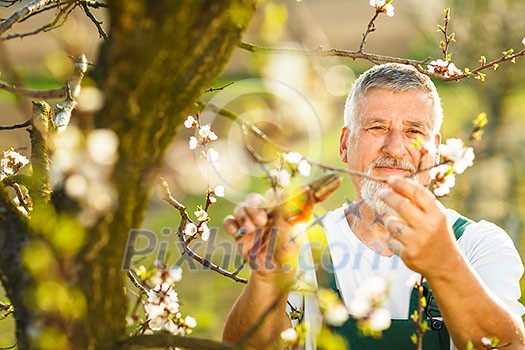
{"points": [[396, 77]]}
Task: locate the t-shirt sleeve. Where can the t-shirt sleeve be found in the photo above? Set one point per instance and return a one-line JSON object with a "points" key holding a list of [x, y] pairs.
{"points": [[495, 259]]}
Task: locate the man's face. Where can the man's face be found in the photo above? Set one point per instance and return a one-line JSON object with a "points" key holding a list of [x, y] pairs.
{"points": [[380, 142]]}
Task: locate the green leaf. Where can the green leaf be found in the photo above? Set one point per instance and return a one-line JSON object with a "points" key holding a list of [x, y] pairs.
{"points": [[481, 120], [413, 337], [470, 346], [494, 342], [483, 60]]}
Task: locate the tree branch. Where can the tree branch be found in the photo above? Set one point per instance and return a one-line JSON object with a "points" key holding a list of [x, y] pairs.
{"points": [[19, 15], [42, 125], [16, 126], [59, 19], [187, 250], [63, 111], [54, 93], [101, 32], [374, 58]]}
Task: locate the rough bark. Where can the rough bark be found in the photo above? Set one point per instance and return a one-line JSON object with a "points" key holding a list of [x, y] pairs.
{"points": [[160, 57]]}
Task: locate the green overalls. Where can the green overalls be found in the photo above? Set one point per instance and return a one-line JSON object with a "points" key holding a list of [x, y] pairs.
{"points": [[397, 337]]}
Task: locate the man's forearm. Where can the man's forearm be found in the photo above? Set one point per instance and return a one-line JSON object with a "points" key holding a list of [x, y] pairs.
{"points": [[469, 310], [262, 304]]}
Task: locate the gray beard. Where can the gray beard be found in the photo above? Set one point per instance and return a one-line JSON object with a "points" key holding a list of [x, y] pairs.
{"points": [[369, 192], [370, 189]]}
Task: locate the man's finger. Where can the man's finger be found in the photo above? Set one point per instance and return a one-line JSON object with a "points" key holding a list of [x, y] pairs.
{"points": [[230, 224], [406, 210], [416, 193]]}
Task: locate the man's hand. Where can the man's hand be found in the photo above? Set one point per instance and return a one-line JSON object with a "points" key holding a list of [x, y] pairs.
{"points": [[264, 238], [419, 234]]}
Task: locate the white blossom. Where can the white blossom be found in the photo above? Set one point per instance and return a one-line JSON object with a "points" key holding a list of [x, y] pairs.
{"points": [[157, 323], [193, 143], [206, 133], [190, 322], [389, 10], [190, 122], [377, 3], [379, 319], [359, 307], [452, 70], [173, 306], [212, 199], [205, 231], [155, 310], [293, 157], [212, 155], [201, 215], [523, 41], [190, 229], [11, 163], [289, 336], [282, 176], [304, 168], [219, 190], [374, 288], [336, 314], [467, 160], [175, 274], [430, 147], [455, 151], [153, 297], [444, 179], [486, 341]]}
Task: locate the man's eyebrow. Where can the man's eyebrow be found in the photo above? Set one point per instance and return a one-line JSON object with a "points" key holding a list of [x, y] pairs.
{"points": [[416, 124]]}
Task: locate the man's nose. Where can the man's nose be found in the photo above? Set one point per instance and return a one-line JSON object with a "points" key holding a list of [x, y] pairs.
{"points": [[395, 144]]}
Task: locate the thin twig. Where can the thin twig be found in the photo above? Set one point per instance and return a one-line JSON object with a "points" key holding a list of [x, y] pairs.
{"points": [[10, 347], [58, 21], [16, 126], [180, 233], [369, 29], [20, 196], [9, 3], [136, 283], [98, 24], [212, 89], [22, 13], [54, 93], [448, 38], [321, 52]]}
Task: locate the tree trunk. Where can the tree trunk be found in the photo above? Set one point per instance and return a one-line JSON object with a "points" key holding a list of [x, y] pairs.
{"points": [[159, 58]]}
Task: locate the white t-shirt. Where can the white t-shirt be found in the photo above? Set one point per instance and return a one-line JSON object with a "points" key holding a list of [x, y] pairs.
{"points": [[488, 248]]}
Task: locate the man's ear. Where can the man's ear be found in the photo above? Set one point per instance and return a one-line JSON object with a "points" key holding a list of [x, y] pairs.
{"points": [[343, 144]]}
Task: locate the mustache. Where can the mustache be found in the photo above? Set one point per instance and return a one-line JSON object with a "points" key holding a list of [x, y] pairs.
{"points": [[392, 162]]}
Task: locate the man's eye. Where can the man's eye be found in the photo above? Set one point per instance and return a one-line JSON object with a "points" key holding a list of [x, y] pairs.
{"points": [[415, 132], [377, 127]]}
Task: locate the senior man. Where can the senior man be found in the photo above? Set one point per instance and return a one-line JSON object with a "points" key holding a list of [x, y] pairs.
{"points": [[471, 269]]}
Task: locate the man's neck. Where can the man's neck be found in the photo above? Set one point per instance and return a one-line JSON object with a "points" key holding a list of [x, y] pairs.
{"points": [[368, 226]]}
